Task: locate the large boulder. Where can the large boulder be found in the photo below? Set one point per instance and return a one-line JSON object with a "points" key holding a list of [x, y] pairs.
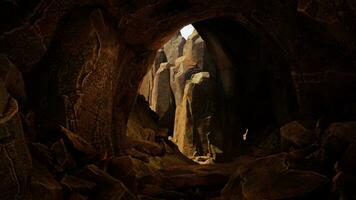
{"points": [[343, 130], [192, 120], [337, 138], [294, 133]]}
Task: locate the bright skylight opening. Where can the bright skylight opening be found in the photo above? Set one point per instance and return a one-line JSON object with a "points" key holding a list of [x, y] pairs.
{"points": [[186, 31]]}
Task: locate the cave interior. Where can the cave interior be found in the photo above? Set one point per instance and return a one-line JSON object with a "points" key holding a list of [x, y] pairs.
{"points": [[111, 100]]}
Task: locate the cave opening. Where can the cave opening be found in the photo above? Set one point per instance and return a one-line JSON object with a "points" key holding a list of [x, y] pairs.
{"points": [[180, 87], [208, 95]]}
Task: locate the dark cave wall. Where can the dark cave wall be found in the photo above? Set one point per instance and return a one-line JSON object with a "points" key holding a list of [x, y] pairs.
{"points": [[70, 55], [73, 82], [256, 86]]}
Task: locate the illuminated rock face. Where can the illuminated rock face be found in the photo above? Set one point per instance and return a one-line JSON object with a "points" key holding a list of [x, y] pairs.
{"points": [[148, 80], [192, 120], [162, 97], [167, 97], [174, 48], [163, 85]]}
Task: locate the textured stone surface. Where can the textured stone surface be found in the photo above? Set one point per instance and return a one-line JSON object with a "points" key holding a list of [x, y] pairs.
{"points": [[76, 90], [180, 73], [195, 50], [192, 125], [174, 47], [15, 163], [141, 118], [147, 84], [162, 97]]}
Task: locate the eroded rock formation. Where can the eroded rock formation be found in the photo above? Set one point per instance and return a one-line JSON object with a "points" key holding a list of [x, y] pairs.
{"points": [[193, 116], [170, 100]]}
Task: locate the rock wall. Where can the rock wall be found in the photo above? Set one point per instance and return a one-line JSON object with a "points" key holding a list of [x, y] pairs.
{"points": [[74, 81], [16, 161], [255, 89]]}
